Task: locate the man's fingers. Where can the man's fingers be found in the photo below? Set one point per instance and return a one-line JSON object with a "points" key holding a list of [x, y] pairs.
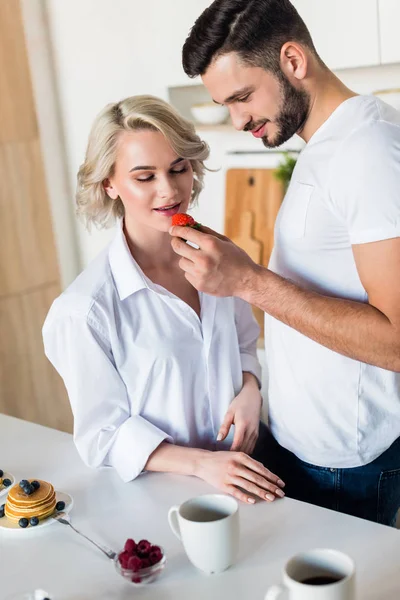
{"points": [[238, 438], [225, 427], [210, 231], [183, 249], [190, 234]]}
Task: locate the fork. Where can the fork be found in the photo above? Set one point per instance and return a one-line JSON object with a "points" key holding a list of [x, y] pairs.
{"points": [[64, 518]]}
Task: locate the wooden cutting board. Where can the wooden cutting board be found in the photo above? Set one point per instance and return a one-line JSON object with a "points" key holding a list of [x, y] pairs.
{"points": [[253, 199], [245, 238]]}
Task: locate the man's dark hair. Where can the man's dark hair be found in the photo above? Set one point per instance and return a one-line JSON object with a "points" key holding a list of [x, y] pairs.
{"points": [[255, 29]]}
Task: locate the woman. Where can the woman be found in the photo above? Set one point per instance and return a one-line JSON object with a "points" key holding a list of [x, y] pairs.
{"points": [[155, 371]]}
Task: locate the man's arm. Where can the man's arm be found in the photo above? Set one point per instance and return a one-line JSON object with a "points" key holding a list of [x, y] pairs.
{"points": [[366, 332]]}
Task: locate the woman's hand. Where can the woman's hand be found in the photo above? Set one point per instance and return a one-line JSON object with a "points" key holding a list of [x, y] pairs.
{"points": [[244, 413], [237, 474]]}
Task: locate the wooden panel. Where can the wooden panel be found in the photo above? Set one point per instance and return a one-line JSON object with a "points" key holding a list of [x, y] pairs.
{"points": [[17, 111], [29, 386], [258, 192], [28, 254]]}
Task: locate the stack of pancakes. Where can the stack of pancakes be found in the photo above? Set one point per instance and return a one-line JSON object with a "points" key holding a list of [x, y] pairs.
{"points": [[41, 503]]}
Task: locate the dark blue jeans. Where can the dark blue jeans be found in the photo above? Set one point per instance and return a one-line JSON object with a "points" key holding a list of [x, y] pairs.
{"points": [[371, 492]]}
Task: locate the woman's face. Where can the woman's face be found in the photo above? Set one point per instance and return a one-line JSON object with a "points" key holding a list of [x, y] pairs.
{"points": [[152, 181]]}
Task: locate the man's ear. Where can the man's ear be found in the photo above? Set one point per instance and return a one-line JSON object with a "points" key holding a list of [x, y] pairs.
{"points": [[294, 61], [110, 189]]}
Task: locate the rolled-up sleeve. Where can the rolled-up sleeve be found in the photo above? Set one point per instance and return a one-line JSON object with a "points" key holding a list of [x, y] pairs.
{"points": [[248, 332], [105, 431]]}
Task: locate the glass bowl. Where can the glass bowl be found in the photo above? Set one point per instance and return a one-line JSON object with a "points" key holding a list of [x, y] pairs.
{"points": [[143, 576]]}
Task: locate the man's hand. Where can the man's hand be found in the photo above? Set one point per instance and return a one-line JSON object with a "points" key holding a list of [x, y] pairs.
{"points": [[218, 267], [244, 413]]}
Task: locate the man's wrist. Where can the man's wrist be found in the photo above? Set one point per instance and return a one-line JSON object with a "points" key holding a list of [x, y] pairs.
{"points": [[248, 285]]}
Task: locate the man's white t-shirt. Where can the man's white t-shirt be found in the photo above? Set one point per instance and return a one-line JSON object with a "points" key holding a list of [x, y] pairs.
{"points": [[328, 409]]}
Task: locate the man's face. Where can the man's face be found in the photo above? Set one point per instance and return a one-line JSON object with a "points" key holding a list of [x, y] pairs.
{"points": [[258, 101]]}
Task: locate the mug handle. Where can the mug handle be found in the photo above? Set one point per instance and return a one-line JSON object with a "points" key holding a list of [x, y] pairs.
{"points": [[173, 521], [275, 592]]}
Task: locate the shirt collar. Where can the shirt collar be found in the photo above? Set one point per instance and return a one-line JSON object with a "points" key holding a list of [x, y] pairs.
{"points": [[128, 276]]}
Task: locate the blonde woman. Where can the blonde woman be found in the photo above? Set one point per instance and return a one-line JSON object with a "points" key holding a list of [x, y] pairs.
{"points": [[156, 372]]}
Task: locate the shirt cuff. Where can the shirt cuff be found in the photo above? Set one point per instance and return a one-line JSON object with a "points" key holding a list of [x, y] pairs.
{"points": [[251, 364], [135, 441]]}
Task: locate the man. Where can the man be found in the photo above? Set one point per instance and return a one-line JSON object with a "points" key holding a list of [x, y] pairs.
{"points": [[332, 291]]}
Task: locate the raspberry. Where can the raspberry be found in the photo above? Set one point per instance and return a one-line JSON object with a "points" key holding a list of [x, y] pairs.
{"points": [[145, 563], [123, 559], [183, 220], [130, 546], [143, 548], [155, 557], [134, 563], [155, 549], [136, 579]]}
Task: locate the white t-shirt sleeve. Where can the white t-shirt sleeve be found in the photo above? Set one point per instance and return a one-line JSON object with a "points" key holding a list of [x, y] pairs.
{"points": [[364, 183], [247, 331], [105, 432]]}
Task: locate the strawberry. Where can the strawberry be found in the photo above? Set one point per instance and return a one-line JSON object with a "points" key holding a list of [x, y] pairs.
{"points": [[183, 220]]}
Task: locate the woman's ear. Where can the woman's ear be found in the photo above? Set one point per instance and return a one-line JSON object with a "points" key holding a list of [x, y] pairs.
{"points": [[110, 189], [294, 61]]}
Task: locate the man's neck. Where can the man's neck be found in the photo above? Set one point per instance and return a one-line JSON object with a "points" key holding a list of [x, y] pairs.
{"points": [[327, 94]]}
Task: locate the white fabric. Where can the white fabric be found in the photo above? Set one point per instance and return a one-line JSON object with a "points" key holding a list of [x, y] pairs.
{"points": [[328, 409], [139, 365]]}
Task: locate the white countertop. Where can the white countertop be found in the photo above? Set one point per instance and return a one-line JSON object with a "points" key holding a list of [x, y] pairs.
{"points": [[56, 559]]}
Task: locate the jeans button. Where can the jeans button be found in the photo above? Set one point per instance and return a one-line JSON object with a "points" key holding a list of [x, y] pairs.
{"points": [[332, 470]]}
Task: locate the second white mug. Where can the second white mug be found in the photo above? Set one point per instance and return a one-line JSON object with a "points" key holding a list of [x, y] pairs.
{"points": [[320, 574], [208, 527]]}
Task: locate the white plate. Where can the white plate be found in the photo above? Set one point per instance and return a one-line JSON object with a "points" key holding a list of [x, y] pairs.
{"points": [[5, 490], [5, 523]]}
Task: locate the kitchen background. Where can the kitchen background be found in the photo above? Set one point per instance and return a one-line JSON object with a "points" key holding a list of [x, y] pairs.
{"points": [[60, 63]]}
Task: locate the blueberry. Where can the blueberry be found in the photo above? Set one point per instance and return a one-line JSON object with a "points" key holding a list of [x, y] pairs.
{"points": [[1, 473], [28, 489], [23, 483], [6, 482], [2, 511], [60, 505], [34, 521], [36, 485], [23, 523]]}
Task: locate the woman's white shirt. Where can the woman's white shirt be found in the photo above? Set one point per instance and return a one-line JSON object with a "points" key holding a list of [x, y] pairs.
{"points": [[139, 365]]}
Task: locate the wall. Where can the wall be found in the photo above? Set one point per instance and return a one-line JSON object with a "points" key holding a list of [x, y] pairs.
{"points": [[104, 51]]}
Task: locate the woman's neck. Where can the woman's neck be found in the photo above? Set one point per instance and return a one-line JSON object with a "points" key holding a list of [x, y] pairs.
{"points": [[150, 248]]}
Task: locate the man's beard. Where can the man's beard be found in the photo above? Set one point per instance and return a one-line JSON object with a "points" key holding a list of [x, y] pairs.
{"points": [[293, 113]]}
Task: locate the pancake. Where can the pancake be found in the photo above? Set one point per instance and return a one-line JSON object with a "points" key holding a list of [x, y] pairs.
{"points": [[41, 503]]}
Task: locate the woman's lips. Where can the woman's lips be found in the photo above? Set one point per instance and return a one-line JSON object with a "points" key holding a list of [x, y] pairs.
{"points": [[168, 211]]}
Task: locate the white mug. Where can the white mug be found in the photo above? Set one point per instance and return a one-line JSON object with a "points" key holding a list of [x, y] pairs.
{"points": [[208, 527], [316, 575]]}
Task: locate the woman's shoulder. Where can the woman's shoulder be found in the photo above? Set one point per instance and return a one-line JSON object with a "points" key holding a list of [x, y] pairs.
{"points": [[92, 290]]}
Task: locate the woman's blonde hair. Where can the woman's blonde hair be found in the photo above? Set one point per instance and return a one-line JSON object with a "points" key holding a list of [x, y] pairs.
{"points": [[132, 114]]}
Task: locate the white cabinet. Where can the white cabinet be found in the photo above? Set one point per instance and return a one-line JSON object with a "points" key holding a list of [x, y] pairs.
{"points": [[345, 32], [172, 22], [389, 30]]}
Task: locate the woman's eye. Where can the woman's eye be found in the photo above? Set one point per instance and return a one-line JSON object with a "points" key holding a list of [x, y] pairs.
{"points": [[244, 99], [144, 179], [180, 171]]}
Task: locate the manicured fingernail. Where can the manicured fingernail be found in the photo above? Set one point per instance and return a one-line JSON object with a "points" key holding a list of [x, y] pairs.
{"points": [[281, 483], [280, 493], [250, 500], [270, 497], [219, 437]]}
